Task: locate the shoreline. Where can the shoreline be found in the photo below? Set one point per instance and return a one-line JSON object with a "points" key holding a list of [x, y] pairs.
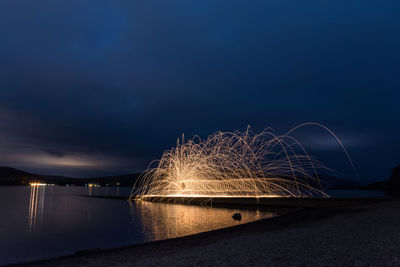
{"points": [[209, 248], [250, 201]]}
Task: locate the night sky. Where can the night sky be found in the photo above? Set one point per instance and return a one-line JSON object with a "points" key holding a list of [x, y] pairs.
{"points": [[92, 88]]}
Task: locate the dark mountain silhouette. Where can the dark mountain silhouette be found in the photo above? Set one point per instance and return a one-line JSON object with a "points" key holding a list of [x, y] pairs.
{"points": [[11, 176], [391, 185], [394, 180]]}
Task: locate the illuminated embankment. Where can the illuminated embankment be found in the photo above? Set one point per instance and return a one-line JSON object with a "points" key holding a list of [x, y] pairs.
{"points": [[258, 202]]}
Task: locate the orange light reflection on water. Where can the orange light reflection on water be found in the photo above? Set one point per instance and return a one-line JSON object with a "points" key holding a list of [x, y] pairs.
{"points": [[36, 204], [164, 220]]}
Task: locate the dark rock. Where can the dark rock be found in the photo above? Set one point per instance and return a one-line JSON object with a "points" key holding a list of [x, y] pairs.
{"points": [[237, 216]]}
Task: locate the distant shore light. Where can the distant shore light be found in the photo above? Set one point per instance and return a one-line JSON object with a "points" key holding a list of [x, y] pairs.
{"points": [[38, 184]]}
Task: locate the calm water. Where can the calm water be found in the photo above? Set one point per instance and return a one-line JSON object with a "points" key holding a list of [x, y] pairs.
{"points": [[42, 222]]}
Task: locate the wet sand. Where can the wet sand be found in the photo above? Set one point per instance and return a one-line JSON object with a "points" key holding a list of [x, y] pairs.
{"points": [[361, 235]]}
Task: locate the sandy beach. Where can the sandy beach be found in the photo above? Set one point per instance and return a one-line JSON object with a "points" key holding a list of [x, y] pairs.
{"points": [[363, 235]]}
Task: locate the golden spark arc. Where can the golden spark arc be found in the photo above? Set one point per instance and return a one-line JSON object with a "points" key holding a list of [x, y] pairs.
{"points": [[235, 164]]}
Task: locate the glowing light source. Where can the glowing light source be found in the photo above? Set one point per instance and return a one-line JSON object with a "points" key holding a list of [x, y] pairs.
{"points": [[37, 184], [235, 164]]}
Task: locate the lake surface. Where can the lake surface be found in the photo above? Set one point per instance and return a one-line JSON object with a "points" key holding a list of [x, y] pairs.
{"points": [[42, 221]]}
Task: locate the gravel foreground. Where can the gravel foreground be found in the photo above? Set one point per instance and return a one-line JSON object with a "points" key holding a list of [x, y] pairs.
{"points": [[366, 235]]}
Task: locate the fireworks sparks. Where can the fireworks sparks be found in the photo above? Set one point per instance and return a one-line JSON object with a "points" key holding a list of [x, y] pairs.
{"points": [[235, 164]]}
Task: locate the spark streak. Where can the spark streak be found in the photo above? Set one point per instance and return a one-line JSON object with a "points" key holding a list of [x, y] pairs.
{"points": [[235, 164]]}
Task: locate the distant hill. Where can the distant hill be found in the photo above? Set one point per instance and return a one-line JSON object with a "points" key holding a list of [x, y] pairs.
{"points": [[11, 176], [391, 185]]}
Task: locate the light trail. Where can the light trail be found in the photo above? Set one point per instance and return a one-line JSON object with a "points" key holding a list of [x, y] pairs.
{"points": [[235, 164]]}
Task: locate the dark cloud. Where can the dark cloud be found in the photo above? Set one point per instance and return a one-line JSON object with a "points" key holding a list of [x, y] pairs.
{"points": [[121, 80]]}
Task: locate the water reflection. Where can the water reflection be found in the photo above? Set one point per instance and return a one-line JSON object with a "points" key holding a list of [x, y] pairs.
{"points": [[48, 221], [162, 220], [36, 204], [113, 191]]}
